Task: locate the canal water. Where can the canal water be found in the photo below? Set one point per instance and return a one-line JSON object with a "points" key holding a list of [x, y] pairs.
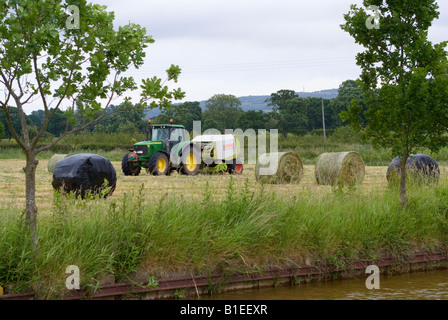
{"points": [[431, 285]]}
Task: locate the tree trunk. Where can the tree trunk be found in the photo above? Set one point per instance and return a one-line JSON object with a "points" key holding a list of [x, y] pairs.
{"points": [[403, 172], [30, 190]]}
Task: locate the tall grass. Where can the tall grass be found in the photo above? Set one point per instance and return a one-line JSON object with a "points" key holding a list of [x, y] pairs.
{"points": [[246, 231]]}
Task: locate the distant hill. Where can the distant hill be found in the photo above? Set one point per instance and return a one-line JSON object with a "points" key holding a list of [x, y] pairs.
{"points": [[257, 103]]}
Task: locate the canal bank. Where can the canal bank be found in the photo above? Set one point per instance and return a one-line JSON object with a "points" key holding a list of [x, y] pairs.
{"points": [[186, 285]]}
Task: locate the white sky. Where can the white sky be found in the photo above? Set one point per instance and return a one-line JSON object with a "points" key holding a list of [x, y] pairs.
{"points": [[249, 47]]}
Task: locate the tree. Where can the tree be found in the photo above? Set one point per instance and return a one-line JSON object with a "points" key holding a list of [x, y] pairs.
{"points": [[2, 130], [291, 108], [187, 113], [224, 109], [404, 79], [38, 117], [57, 125], [210, 123], [184, 114], [313, 107], [14, 119], [163, 118], [122, 118], [348, 90], [49, 57], [252, 120]]}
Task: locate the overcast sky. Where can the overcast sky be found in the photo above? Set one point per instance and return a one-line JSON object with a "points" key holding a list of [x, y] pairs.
{"points": [[249, 47]]}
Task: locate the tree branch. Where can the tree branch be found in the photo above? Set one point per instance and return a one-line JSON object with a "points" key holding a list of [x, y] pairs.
{"points": [[11, 128], [22, 116], [48, 118], [66, 133]]}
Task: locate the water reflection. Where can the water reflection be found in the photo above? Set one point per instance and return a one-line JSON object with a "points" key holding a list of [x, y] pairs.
{"points": [[414, 286]]}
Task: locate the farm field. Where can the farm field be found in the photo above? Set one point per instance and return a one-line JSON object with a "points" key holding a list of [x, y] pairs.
{"points": [[156, 226], [12, 183]]}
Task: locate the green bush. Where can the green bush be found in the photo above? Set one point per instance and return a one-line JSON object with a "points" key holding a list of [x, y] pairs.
{"points": [[320, 132], [345, 135]]}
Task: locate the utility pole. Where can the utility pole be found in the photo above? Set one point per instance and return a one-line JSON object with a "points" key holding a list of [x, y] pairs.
{"points": [[323, 121]]}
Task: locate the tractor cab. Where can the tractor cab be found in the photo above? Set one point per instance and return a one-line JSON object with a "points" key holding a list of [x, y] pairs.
{"points": [[169, 134]]}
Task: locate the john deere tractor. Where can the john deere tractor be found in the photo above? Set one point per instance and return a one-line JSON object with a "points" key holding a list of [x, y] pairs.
{"points": [[169, 149], [166, 150]]}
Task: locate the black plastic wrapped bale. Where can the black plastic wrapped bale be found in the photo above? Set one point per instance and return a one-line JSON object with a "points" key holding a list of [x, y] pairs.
{"points": [[420, 166], [84, 172]]}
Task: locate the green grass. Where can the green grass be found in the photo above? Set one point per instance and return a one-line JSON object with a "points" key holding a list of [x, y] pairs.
{"points": [[246, 231]]}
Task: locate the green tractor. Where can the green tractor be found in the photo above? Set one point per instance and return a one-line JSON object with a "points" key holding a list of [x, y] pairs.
{"points": [[166, 150]]}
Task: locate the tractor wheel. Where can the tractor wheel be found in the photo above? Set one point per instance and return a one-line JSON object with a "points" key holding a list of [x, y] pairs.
{"points": [[236, 167], [190, 162], [159, 164], [128, 167]]}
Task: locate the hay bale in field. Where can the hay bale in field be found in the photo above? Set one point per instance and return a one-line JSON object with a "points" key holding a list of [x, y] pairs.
{"points": [[289, 168], [55, 159], [84, 172], [346, 168], [419, 166]]}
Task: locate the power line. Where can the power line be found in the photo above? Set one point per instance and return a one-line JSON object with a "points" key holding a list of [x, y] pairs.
{"points": [[252, 66]]}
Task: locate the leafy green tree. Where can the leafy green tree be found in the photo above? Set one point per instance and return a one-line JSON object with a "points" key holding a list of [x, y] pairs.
{"points": [[38, 117], [14, 119], [125, 115], [163, 118], [224, 109], [47, 59], [313, 107], [58, 123], [128, 127], [210, 123], [272, 120], [348, 90], [291, 108], [185, 114], [404, 79], [252, 120]]}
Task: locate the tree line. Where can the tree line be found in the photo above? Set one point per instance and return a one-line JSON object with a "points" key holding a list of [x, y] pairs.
{"points": [[290, 114]]}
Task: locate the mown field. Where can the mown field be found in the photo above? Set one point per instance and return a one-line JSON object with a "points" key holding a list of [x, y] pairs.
{"points": [[12, 184]]}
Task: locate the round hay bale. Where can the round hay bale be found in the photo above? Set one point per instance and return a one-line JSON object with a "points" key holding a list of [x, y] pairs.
{"points": [[346, 168], [419, 167], [55, 159], [84, 173], [289, 168]]}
